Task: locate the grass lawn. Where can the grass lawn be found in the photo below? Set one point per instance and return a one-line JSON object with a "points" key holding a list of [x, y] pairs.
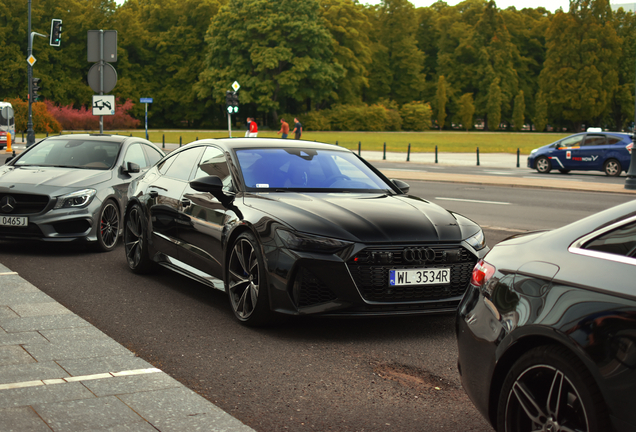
{"points": [[421, 142]]}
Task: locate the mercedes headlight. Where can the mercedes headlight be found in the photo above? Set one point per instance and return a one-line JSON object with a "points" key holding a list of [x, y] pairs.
{"points": [[77, 199], [477, 241], [310, 243]]}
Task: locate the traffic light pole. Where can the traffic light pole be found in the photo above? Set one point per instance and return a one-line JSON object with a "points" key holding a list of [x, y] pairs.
{"points": [[229, 124]]}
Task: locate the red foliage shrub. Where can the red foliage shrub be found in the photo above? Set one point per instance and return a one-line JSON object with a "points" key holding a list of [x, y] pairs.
{"points": [[83, 118]]}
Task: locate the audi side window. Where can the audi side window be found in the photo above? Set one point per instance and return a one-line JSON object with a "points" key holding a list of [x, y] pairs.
{"points": [[620, 241], [184, 163], [213, 162], [613, 140]]}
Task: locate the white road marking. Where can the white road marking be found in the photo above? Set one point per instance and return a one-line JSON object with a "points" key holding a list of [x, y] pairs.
{"points": [[500, 172], [472, 201], [77, 378]]}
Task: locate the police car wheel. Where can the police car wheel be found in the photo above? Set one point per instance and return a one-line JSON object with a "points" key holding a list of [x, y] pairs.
{"points": [[612, 168], [544, 165]]}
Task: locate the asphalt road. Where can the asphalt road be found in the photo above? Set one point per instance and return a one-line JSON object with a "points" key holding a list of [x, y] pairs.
{"points": [[394, 374]]}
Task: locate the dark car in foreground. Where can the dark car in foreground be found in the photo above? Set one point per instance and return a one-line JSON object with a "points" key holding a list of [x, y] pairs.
{"points": [[298, 228], [609, 152], [547, 329], [70, 188]]}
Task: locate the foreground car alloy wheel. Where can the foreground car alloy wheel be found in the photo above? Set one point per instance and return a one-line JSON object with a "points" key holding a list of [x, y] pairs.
{"points": [[135, 241], [108, 232], [547, 390], [246, 282]]}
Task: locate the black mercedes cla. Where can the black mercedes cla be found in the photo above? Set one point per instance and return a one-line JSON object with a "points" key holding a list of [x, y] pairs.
{"points": [[298, 228], [547, 328]]}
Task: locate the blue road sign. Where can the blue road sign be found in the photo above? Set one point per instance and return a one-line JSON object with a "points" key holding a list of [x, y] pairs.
{"points": [[145, 100]]}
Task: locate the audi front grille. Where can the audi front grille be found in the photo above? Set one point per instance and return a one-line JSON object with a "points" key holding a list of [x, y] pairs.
{"points": [[370, 271]]}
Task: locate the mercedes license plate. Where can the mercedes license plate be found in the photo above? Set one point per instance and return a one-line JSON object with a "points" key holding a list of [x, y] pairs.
{"points": [[14, 221], [419, 277]]}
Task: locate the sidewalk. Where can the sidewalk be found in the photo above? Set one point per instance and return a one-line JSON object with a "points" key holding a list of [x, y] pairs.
{"points": [[59, 373]]}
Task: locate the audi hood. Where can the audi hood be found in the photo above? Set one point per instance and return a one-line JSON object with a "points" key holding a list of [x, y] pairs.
{"points": [[367, 218]]}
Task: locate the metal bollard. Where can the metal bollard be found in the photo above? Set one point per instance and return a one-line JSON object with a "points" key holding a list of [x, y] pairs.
{"points": [[179, 141], [336, 142], [47, 134], [359, 147], [477, 156], [435, 154], [518, 157], [408, 153], [163, 141], [384, 152]]}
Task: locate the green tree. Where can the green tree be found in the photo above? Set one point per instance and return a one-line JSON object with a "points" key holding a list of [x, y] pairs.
{"points": [[493, 107], [397, 62], [540, 118], [441, 101], [416, 116], [518, 112], [622, 104], [349, 27], [466, 110], [163, 57], [275, 50], [580, 73], [495, 62]]}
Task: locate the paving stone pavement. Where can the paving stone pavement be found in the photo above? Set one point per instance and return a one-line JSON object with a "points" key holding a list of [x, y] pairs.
{"points": [[59, 373]]}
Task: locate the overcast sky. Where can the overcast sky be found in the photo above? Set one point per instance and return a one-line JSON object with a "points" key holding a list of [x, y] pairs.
{"points": [[551, 5]]}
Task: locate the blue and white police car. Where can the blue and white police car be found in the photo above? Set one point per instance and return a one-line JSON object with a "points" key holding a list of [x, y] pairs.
{"points": [[593, 150]]}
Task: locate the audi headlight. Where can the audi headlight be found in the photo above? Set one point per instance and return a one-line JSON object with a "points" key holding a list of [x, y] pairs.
{"points": [[310, 243], [533, 151], [477, 241], [77, 199]]}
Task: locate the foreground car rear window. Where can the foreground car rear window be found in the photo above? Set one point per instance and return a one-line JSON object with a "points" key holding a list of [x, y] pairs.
{"points": [[293, 168]]}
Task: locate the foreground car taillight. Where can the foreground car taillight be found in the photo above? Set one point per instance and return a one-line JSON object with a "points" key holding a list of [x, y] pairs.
{"points": [[629, 147], [482, 274]]}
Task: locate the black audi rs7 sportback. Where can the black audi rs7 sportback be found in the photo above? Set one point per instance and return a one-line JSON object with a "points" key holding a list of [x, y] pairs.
{"points": [[296, 228], [547, 328]]}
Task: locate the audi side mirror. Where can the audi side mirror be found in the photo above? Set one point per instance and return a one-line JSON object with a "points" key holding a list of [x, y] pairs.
{"points": [[401, 185]]}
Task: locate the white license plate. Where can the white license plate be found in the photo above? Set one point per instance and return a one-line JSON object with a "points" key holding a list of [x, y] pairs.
{"points": [[419, 277], [14, 221]]}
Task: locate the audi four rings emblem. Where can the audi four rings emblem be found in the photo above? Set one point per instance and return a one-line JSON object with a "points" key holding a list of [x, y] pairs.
{"points": [[415, 254], [7, 204]]}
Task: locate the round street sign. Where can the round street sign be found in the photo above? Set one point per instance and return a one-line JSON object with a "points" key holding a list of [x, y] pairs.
{"points": [[236, 86], [110, 78]]}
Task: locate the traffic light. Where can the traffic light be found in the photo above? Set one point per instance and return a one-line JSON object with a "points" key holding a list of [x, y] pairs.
{"points": [[56, 32], [235, 102], [35, 87], [231, 102]]}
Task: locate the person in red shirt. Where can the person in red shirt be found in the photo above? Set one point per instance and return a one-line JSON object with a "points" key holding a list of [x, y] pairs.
{"points": [[253, 128]]}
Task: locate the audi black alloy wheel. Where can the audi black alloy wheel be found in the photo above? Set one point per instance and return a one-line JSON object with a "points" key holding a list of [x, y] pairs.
{"points": [[247, 283]]}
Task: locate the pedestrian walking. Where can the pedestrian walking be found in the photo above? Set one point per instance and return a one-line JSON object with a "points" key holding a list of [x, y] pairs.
{"points": [[284, 129], [247, 132], [253, 128], [298, 129]]}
